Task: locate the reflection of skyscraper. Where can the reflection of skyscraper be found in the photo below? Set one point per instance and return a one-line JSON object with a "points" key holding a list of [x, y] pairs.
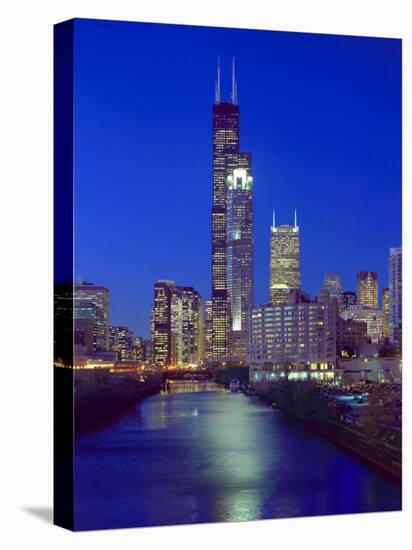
{"points": [[239, 251], [368, 289], [333, 283], [395, 295], [284, 261], [226, 159], [91, 303]]}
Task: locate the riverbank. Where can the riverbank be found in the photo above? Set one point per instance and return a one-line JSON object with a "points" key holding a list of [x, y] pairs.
{"points": [[101, 396], [364, 440]]}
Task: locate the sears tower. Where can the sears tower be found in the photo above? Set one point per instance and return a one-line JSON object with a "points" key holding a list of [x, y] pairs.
{"points": [[232, 240]]}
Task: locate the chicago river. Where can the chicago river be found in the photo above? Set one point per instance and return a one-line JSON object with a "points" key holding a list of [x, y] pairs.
{"points": [[203, 454]]}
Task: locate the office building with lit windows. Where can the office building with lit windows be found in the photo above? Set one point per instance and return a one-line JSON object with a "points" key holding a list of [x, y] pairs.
{"points": [[227, 159], [385, 311], [239, 252], [121, 341], [349, 298], [371, 316], [91, 316], [368, 293], [284, 261], [178, 330], [333, 283], [395, 295], [208, 328], [299, 336]]}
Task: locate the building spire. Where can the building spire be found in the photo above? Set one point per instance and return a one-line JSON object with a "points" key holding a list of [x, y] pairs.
{"points": [[296, 218], [217, 84], [234, 84], [273, 219]]}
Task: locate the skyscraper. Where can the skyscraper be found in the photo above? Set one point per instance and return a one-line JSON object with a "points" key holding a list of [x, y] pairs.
{"points": [[284, 261], [239, 252], [395, 295], [368, 294], [177, 325], [385, 311], [333, 283], [349, 298], [226, 160], [91, 308], [121, 341]]}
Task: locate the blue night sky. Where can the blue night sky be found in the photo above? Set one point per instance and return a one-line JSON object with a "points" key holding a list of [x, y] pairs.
{"points": [[321, 115]]}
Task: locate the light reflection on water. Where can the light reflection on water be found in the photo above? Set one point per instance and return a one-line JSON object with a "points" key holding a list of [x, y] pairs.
{"points": [[202, 454]]}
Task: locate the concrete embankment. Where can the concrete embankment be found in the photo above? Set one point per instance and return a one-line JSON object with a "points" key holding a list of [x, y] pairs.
{"points": [[101, 397]]}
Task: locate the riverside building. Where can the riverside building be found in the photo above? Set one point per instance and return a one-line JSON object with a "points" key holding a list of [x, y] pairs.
{"points": [[91, 317], [178, 330], [297, 339]]}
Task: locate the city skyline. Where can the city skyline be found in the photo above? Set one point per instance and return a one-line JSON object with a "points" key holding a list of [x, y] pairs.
{"points": [[126, 270]]}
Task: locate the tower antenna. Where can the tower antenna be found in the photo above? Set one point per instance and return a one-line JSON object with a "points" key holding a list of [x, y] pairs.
{"points": [[217, 85], [234, 83]]}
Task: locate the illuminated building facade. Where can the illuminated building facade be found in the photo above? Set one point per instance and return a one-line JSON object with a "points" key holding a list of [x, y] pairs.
{"points": [[395, 295], [239, 251], [349, 298], [300, 335], [208, 328], [368, 293], [371, 316], [284, 261], [226, 159], [385, 311], [333, 283], [178, 325], [91, 313], [121, 341]]}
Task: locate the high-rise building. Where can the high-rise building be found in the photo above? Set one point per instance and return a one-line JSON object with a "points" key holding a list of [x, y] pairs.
{"points": [[349, 298], [284, 261], [239, 252], [121, 341], [333, 282], [91, 313], [395, 295], [227, 158], [371, 316], [178, 325], [368, 294], [350, 334], [138, 349], [208, 328], [300, 334], [385, 311]]}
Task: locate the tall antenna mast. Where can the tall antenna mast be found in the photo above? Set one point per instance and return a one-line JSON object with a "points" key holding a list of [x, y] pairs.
{"points": [[234, 84]]}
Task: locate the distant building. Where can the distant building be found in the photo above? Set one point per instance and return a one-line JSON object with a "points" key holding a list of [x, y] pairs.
{"points": [[284, 261], [177, 325], [368, 294], [350, 335], [121, 341], [385, 311], [349, 298], [299, 335], [371, 316], [208, 328], [148, 351], [395, 295], [333, 283], [138, 349], [91, 316]]}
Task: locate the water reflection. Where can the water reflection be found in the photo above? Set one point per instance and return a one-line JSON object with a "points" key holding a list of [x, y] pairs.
{"points": [[202, 454]]}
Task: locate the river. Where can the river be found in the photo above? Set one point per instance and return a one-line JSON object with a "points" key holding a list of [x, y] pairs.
{"points": [[202, 454]]}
